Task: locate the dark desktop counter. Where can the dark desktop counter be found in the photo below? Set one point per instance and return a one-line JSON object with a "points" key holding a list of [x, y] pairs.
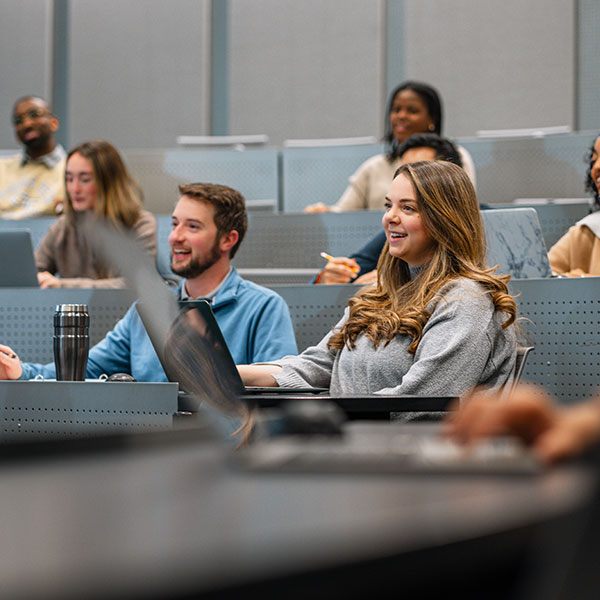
{"points": [[171, 515]]}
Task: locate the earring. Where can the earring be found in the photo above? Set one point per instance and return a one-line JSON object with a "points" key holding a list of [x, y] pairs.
{"points": [[431, 127]]}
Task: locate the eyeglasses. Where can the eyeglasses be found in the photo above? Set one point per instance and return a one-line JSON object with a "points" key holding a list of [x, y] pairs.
{"points": [[34, 113]]}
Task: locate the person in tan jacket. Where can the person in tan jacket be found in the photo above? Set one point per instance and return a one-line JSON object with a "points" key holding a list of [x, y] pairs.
{"points": [[97, 181], [577, 253]]}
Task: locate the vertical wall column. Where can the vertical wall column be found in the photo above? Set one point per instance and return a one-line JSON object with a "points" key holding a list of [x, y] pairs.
{"points": [[394, 45], [59, 96], [219, 67]]}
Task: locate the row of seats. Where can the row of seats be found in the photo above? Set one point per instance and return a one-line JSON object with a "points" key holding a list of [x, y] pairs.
{"points": [[287, 179], [560, 318], [286, 248]]}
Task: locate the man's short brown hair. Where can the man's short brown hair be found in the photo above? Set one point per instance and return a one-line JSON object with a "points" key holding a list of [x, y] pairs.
{"points": [[229, 205]]}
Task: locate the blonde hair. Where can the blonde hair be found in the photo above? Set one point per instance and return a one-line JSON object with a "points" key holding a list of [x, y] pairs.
{"points": [[118, 195], [450, 213]]}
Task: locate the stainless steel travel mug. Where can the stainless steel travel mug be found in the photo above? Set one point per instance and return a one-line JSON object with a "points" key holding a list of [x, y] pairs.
{"points": [[71, 341]]}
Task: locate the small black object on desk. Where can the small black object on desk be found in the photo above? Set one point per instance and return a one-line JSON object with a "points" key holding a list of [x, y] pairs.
{"points": [[121, 377]]}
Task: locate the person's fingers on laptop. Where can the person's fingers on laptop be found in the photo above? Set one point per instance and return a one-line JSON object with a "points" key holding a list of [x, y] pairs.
{"points": [[47, 280], [10, 365]]}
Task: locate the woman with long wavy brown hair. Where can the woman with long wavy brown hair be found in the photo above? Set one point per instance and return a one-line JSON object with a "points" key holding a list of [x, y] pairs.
{"points": [[438, 321]]}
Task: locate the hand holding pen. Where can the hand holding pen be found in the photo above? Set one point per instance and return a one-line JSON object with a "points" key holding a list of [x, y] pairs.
{"points": [[338, 270]]}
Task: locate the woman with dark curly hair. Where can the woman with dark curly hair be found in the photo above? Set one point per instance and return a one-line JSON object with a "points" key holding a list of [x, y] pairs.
{"points": [[577, 253], [437, 322]]}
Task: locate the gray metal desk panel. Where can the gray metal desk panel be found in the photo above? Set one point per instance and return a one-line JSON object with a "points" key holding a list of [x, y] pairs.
{"points": [[296, 240], [314, 309], [26, 316], [254, 172], [549, 167], [561, 318], [320, 174], [35, 410]]}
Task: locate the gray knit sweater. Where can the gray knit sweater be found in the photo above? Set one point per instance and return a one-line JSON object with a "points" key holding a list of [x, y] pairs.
{"points": [[463, 345]]}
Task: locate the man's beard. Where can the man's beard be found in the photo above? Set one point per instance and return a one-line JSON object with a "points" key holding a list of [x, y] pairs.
{"points": [[198, 264], [35, 143]]}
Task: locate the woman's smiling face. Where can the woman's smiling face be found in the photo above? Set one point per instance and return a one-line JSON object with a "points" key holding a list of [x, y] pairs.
{"points": [[407, 237]]}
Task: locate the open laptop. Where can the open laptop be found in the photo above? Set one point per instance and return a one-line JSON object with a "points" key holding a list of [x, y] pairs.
{"points": [[515, 243], [209, 334], [17, 264]]}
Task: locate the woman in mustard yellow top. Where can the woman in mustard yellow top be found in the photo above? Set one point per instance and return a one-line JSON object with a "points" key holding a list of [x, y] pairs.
{"points": [[577, 253]]}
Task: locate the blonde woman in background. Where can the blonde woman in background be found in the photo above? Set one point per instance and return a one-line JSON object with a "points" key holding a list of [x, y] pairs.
{"points": [[97, 182]]}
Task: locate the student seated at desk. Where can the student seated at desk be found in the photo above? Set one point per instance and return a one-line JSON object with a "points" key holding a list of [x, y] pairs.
{"points": [[209, 223], [360, 267], [32, 183], [437, 322], [96, 181], [577, 253], [413, 107]]}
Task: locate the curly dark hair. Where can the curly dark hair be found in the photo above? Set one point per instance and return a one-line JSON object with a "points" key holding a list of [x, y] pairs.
{"points": [[590, 186], [444, 149]]}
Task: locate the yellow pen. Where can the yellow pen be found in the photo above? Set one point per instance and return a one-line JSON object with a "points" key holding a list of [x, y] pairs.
{"points": [[329, 257]]}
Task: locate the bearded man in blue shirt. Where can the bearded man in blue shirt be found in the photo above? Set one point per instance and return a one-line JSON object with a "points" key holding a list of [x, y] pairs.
{"points": [[208, 225]]}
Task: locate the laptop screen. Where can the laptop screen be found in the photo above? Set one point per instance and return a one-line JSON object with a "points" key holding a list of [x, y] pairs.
{"points": [[516, 243], [17, 264]]}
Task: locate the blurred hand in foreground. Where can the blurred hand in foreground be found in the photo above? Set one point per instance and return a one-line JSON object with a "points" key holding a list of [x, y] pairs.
{"points": [[553, 432]]}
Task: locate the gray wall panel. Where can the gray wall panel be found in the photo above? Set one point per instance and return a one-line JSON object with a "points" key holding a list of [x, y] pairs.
{"points": [[139, 71], [310, 69], [498, 65], [588, 76], [24, 43]]}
